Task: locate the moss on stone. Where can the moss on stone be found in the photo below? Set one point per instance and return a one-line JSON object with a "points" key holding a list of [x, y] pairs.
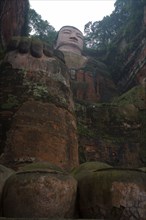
{"points": [[75, 86], [36, 48], [39, 91], [14, 43], [135, 96], [10, 103], [24, 45], [111, 139], [95, 66], [125, 116], [96, 190], [114, 174], [83, 130], [88, 167], [143, 136], [42, 166], [82, 157], [143, 169]]}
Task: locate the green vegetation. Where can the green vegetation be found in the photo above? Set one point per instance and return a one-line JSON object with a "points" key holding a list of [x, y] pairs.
{"points": [[83, 130], [115, 37], [42, 166], [126, 19], [135, 96], [11, 102], [77, 86], [39, 91], [89, 167], [41, 29]]}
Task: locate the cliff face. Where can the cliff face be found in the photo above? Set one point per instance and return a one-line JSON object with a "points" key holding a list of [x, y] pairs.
{"points": [[114, 132], [13, 19], [90, 81], [40, 122], [133, 71], [36, 109]]}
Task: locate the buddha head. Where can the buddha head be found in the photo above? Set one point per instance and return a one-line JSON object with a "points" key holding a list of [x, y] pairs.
{"points": [[70, 39]]}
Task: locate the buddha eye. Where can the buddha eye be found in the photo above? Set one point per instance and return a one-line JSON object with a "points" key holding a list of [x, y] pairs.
{"points": [[80, 36], [66, 32]]}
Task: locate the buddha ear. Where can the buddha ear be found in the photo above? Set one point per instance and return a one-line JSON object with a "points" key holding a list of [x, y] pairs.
{"points": [[55, 41]]}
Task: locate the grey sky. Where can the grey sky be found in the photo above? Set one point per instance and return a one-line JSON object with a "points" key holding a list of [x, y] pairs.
{"points": [[76, 13]]}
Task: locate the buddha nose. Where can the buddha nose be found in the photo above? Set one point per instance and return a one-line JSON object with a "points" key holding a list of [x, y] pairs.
{"points": [[73, 36]]}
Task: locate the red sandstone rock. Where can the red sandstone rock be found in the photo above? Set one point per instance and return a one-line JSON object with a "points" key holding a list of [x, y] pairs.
{"points": [[40, 193], [93, 89], [112, 194], [43, 127], [5, 173], [91, 94], [13, 18], [42, 132]]}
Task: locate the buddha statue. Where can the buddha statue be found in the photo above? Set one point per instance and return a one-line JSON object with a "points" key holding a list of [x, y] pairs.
{"points": [[70, 42], [87, 75], [70, 39]]}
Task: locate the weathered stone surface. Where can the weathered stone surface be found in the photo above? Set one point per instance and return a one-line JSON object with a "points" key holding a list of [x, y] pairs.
{"points": [[114, 133], [84, 88], [5, 173], [88, 167], [42, 132], [36, 49], [36, 92], [113, 194], [90, 82], [40, 192], [92, 88], [90, 79], [13, 19], [44, 166], [116, 152], [69, 38], [46, 78], [74, 60], [24, 45]]}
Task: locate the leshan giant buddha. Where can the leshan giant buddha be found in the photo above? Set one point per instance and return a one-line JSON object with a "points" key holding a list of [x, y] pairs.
{"points": [[88, 76], [37, 96], [70, 42]]}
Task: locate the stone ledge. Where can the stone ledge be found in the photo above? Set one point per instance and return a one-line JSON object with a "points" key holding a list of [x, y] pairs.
{"points": [[3, 218]]}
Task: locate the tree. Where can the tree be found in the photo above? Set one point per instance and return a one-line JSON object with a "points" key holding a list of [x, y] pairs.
{"points": [[123, 27], [41, 29], [126, 19]]}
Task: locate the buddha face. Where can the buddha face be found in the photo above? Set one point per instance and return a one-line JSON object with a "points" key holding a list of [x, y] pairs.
{"points": [[69, 38]]}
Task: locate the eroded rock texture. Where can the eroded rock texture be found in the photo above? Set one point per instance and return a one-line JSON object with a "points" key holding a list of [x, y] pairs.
{"points": [[90, 80], [37, 109], [112, 194], [13, 19], [42, 191], [5, 173], [114, 132]]}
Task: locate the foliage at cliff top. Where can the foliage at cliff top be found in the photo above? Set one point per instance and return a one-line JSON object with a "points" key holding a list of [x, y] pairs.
{"points": [[114, 38], [125, 21], [41, 29]]}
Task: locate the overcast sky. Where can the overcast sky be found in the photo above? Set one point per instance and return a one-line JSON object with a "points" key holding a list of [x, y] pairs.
{"points": [[75, 13]]}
